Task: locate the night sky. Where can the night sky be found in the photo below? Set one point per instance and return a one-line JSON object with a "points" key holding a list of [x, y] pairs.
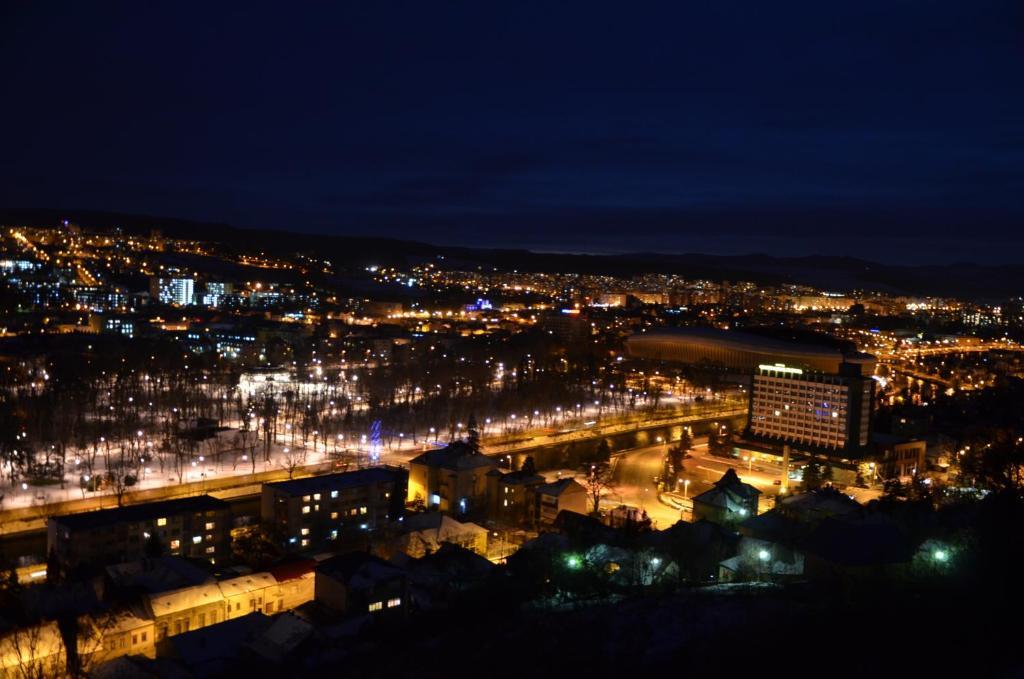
{"points": [[889, 130]]}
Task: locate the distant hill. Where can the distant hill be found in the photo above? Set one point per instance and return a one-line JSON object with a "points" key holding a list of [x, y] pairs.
{"points": [[841, 274]]}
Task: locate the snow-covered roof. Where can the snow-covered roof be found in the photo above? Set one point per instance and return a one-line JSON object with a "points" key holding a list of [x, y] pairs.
{"points": [[246, 584], [179, 600]]}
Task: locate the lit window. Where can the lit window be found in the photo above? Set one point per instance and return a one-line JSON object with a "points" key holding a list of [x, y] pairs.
{"points": [[305, 498], [397, 601], [334, 534], [305, 542], [376, 606], [353, 511], [161, 522], [334, 515], [175, 544], [210, 525], [316, 496], [305, 531], [305, 509], [211, 549], [196, 539], [362, 510], [334, 493]]}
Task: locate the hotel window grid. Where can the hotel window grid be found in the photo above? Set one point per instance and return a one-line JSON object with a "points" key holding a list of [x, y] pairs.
{"points": [[812, 409]]}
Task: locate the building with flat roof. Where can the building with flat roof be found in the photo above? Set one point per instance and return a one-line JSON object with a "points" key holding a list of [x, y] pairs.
{"points": [[817, 412], [452, 479], [196, 527], [315, 511]]}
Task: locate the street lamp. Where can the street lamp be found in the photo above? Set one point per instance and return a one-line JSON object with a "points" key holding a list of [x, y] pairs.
{"points": [[762, 557]]}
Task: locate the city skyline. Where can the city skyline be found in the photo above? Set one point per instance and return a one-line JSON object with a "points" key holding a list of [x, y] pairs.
{"points": [[536, 339]]}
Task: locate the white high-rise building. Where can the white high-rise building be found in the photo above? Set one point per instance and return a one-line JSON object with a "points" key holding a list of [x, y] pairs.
{"points": [[177, 291]]}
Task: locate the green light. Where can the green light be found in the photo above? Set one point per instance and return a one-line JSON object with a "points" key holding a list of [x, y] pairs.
{"points": [[941, 555], [572, 561], [763, 555]]}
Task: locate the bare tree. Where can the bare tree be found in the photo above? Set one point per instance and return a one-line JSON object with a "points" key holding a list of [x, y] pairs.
{"points": [[599, 479], [34, 651]]}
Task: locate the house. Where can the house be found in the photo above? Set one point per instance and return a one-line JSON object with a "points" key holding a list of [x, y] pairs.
{"points": [[899, 457], [125, 632], [196, 527], [179, 611], [697, 548], [248, 594], [812, 507], [316, 511], [844, 548], [217, 650], [161, 574], [729, 502], [280, 640], [162, 615], [451, 570], [583, 528], [511, 497], [772, 544], [295, 583], [358, 583], [426, 532], [452, 479], [562, 495]]}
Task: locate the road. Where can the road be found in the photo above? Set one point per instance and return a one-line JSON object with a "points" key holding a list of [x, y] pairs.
{"points": [[636, 470], [634, 484]]}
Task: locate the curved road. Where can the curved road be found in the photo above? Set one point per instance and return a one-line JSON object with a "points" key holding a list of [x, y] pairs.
{"points": [[635, 471]]}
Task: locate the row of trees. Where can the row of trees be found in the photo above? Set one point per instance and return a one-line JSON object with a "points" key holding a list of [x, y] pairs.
{"points": [[113, 410]]}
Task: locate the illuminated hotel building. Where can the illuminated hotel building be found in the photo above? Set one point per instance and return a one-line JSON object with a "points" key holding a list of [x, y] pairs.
{"points": [[824, 412], [813, 394]]}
